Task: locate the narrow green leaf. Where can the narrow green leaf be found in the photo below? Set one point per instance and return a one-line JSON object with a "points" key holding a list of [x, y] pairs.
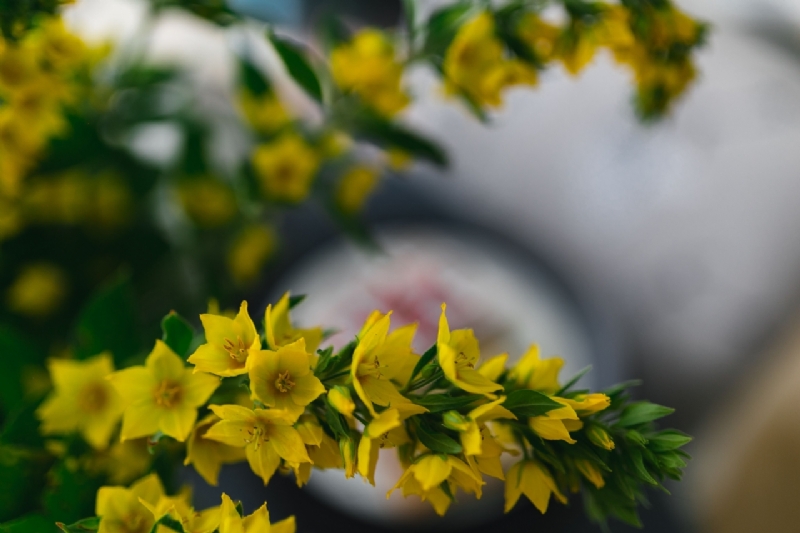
{"points": [[32, 523], [168, 522], [297, 65], [426, 358], [252, 79], [177, 333], [574, 380], [529, 403], [434, 436], [643, 412], [296, 300], [443, 25], [370, 126], [336, 422], [81, 526], [669, 439], [436, 403], [638, 462]]}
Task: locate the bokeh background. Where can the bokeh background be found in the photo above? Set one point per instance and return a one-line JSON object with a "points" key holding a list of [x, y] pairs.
{"points": [[666, 251]]}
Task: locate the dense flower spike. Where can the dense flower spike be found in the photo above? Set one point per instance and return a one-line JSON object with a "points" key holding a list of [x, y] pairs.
{"points": [[163, 395]]}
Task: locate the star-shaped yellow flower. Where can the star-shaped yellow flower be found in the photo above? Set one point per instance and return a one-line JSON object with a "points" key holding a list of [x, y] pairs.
{"points": [[533, 372], [283, 379], [229, 344], [533, 480], [280, 331], [121, 508], [208, 455], [258, 522], [163, 395], [83, 400], [458, 354], [266, 435]]}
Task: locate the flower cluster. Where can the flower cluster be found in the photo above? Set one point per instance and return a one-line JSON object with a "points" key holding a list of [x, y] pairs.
{"points": [[449, 415]]}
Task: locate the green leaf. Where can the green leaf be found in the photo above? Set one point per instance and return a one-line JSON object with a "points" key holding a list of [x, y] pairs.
{"points": [[669, 439], [177, 334], [22, 477], [638, 462], [108, 322], [336, 422], [434, 436], [25, 354], [296, 300], [33, 523], [252, 79], [426, 358], [297, 65], [642, 413], [436, 403], [443, 25], [71, 492], [370, 126], [574, 380], [529, 403], [168, 522], [81, 526], [21, 426]]}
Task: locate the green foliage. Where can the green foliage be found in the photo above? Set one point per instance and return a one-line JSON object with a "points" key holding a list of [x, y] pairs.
{"points": [[529, 403], [178, 334], [22, 476], [297, 65], [435, 436], [81, 526], [33, 523], [436, 403]]}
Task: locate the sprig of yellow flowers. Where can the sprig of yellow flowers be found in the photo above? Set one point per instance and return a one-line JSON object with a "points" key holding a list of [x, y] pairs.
{"points": [[450, 417]]}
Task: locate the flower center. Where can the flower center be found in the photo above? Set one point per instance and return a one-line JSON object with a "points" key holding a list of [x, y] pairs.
{"points": [[168, 394], [257, 435], [236, 350], [134, 523], [93, 398], [284, 382]]}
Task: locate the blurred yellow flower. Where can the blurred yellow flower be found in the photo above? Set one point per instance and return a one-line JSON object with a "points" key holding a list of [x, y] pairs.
{"points": [[265, 113], [163, 395], [532, 372], [280, 331], [258, 522], [286, 168], [266, 435], [229, 344], [121, 509], [37, 291], [458, 353], [424, 478], [208, 455], [556, 424], [127, 461], [250, 251], [207, 201], [532, 479], [540, 36], [588, 404], [590, 472], [283, 378], [367, 66], [354, 188], [83, 400], [469, 426]]}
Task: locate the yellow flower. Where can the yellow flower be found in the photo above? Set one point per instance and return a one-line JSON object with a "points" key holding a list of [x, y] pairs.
{"points": [[208, 455], [127, 461], [265, 112], [339, 397], [599, 437], [280, 331], [283, 378], [121, 509], [266, 435], [355, 187], [250, 251], [230, 343], [207, 201], [286, 168], [556, 424], [38, 291], [532, 479], [163, 395], [424, 478], [458, 353], [18, 67], [534, 373], [578, 46], [379, 358], [258, 522], [368, 67], [347, 450], [540, 36], [488, 460], [179, 508], [83, 400], [588, 404], [494, 367], [322, 449], [368, 447], [470, 426], [590, 472]]}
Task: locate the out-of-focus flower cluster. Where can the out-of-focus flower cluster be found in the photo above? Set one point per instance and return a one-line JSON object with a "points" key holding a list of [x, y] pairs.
{"points": [[280, 402]]}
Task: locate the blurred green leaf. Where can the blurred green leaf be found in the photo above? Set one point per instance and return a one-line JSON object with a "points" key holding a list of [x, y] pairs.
{"points": [[642, 413], [87, 525], [294, 58], [434, 436], [426, 358], [21, 427], [20, 353], [177, 334], [437, 403], [22, 477], [253, 79], [70, 493], [443, 25], [33, 523], [167, 521], [529, 403], [669, 439]]}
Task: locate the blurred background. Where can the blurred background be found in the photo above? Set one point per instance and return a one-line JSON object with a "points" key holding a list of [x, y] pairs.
{"points": [[666, 252]]}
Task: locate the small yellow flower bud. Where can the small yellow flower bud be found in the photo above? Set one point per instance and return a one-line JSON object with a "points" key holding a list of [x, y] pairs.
{"points": [[599, 437], [340, 399]]}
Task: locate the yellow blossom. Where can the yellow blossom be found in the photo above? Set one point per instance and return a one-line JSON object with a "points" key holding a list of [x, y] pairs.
{"points": [[163, 395], [469, 427], [179, 508], [488, 460], [556, 424], [82, 401], [208, 455], [322, 449], [379, 358], [127, 461], [540, 36], [588, 404], [458, 353], [283, 378], [368, 67], [376, 436], [250, 251], [286, 168], [534, 373], [532, 479], [266, 435], [258, 522], [590, 472], [207, 201], [339, 397], [265, 112], [38, 291], [355, 187], [347, 450], [494, 367], [121, 508], [424, 478], [280, 331], [230, 343]]}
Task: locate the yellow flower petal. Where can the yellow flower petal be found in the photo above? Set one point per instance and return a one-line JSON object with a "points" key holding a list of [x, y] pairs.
{"points": [[432, 470]]}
